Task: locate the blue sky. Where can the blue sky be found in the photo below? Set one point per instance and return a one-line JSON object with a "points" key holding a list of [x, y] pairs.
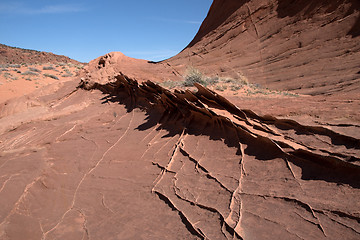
{"points": [[84, 30]]}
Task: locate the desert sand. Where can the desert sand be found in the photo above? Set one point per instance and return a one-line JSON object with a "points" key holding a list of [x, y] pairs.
{"points": [[268, 147]]}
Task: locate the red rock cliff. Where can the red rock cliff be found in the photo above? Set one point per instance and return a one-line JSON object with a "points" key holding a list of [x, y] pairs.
{"points": [[308, 46]]}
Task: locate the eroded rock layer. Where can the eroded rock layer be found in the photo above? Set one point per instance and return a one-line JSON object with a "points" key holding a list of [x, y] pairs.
{"points": [[130, 161]]}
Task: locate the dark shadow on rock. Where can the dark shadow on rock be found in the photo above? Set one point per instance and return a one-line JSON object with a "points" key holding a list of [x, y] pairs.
{"points": [[181, 111]]}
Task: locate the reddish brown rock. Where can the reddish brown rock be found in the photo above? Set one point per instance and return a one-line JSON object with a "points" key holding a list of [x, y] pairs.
{"points": [[116, 158], [310, 47]]}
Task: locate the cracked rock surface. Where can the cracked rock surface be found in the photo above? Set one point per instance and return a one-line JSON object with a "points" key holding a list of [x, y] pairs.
{"points": [[123, 160], [117, 156]]}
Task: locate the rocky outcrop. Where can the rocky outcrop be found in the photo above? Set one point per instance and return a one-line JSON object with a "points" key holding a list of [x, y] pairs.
{"points": [[120, 157], [310, 47], [128, 160]]}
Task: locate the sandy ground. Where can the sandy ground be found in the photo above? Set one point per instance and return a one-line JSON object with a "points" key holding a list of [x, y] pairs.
{"points": [[18, 80]]}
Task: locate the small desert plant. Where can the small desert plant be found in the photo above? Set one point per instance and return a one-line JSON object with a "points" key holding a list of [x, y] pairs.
{"points": [[286, 93], [235, 87], [48, 68], [170, 84], [193, 76], [221, 88], [30, 73], [212, 80], [7, 75], [51, 76], [34, 69], [15, 65], [67, 75]]}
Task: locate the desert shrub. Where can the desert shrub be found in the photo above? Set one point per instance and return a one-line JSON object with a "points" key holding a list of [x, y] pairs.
{"points": [[51, 76], [289, 94], [67, 75], [221, 88], [7, 75], [235, 87], [212, 80], [67, 71], [34, 69], [193, 76], [170, 84], [61, 64], [28, 79], [48, 68], [14, 65], [29, 73]]}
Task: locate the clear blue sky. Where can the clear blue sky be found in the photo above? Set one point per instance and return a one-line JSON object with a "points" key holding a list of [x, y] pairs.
{"points": [[84, 30]]}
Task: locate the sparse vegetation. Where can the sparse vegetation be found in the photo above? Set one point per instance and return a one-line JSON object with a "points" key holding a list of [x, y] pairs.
{"points": [[240, 83], [48, 68], [34, 69], [7, 75], [29, 73], [171, 84], [67, 75], [221, 88], [51, 76], [193, 76]]}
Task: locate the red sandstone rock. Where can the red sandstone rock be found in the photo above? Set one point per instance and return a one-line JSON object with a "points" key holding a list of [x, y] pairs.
{"points": [[115, 158]]}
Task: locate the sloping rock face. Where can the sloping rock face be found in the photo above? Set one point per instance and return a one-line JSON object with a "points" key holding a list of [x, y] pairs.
{"points": [[312, 47], [119, 160]]}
